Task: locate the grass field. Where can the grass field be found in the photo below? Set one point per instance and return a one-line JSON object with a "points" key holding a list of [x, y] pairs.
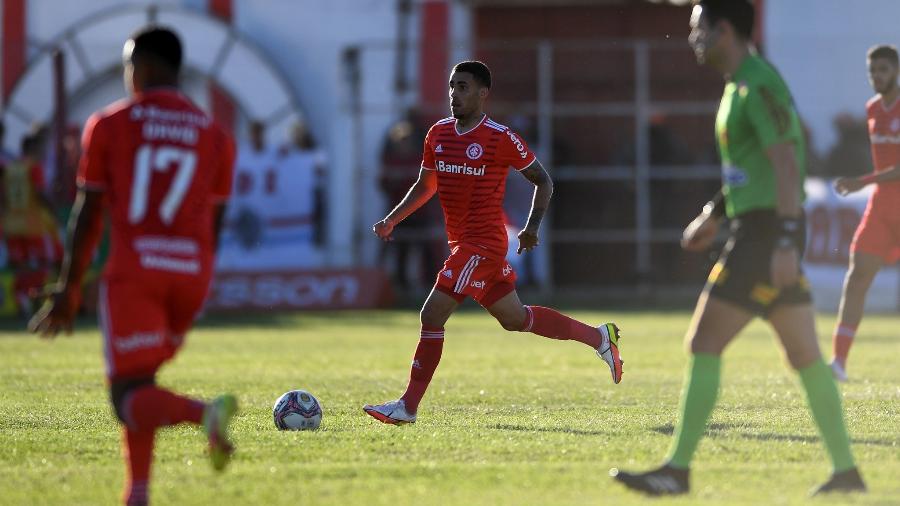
{"points": [[510, 418]]}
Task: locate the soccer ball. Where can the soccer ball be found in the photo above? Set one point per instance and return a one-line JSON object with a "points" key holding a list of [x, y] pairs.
{"points": [[297, 410]]}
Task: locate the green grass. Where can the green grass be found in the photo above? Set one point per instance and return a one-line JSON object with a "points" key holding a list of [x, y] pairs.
{"points": [[510, 418]]}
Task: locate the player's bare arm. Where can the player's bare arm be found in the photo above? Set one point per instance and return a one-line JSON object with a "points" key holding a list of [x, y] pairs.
{"points": [[543, 191], [700, 233], [85, 226], [786, 257], [419, 193], [847, 185]]}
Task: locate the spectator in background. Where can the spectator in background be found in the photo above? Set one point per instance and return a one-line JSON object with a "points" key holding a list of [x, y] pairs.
{"points": [[400, 159], [302, 167], [30, 228], [665, 146], [67, 165], [850, 155], [5, 156], [255, 160], [255, 156]]}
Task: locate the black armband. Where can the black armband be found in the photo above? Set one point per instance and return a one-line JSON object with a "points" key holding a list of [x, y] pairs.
{"points": [[716, 206], [787, 233]]}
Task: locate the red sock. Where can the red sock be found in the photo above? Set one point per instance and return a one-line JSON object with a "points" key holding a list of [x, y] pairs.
{"points": [[842, 341], [150, 407], [547, 322], [138, 449], [425, 361]]}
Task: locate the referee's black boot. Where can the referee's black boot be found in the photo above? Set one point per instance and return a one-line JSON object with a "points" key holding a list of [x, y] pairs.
{"points": [[665, 480], [844, 481]]}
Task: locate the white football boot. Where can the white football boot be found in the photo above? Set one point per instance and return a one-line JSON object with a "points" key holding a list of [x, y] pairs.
{"points": [[391, 412], [838, 371], [609, 350]]}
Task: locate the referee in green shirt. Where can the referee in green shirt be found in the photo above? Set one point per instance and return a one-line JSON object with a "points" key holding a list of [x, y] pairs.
{"points": [[762, 148]]}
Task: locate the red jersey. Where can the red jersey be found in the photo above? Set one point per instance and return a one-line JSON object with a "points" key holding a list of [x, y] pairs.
{"points": [[471, 172], [884, 136], [162, 164]]}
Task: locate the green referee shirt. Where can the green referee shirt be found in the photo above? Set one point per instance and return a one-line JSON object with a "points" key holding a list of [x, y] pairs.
{"points": [[756, 112]]}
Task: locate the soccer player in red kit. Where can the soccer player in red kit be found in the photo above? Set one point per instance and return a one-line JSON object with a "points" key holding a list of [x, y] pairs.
{"points": [[877, 239], [466, 160], [162, 169]]}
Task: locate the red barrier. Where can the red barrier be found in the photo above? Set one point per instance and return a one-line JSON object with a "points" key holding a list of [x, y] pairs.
{"points": [[320, 289]]}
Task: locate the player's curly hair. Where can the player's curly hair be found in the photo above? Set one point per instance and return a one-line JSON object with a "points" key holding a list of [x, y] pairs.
{"points": [[739, 13], [478, 69], [886, 51]]}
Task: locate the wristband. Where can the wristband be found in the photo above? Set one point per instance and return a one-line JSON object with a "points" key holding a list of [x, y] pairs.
{"points": [[787, 231], [869, 179], [716, 206]]}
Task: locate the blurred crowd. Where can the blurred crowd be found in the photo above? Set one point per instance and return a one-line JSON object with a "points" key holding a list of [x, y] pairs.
{"points": [[37, 190]]}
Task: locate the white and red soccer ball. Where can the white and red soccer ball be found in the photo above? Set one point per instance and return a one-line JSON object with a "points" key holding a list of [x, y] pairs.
{"points": [[297, 410]]}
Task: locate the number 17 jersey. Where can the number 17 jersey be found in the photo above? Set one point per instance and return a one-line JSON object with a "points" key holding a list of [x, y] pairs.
{"points": [[162, 165]]}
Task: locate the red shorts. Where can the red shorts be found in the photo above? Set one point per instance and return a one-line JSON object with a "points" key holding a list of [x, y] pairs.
{"points": [[474, 273], [878, 234], [144, 322]]}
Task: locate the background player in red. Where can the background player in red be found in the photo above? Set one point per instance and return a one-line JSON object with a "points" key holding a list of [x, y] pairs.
{"points": [[877, 239], [465, 161], [163, 170]]}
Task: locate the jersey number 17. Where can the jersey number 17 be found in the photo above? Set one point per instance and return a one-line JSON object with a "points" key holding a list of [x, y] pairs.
{"points": [[150, 159]]}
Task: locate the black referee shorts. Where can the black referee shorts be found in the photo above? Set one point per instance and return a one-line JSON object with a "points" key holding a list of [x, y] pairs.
{"points": [[742, 274]]}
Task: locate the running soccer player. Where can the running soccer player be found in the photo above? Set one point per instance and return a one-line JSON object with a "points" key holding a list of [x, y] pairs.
{"points": [[466, 160], [163, 169], [877, 239], [758, 273]]}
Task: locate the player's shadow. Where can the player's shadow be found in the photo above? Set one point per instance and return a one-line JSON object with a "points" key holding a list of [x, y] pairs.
{"points": [[721, 429], [558, 430]]}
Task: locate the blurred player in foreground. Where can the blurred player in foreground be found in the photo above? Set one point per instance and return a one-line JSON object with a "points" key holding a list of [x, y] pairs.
{"points": [[877, 239], [758, 272], [465, 161], [163, 170]]}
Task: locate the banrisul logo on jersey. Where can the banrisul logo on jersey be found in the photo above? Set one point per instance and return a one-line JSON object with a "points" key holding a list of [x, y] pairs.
{"points": [[464, 169], [474, 151]]}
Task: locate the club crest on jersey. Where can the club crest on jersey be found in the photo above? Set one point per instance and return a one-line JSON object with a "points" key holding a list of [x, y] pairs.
{"points": [[474, 151], [734, 176], [895, 124]]}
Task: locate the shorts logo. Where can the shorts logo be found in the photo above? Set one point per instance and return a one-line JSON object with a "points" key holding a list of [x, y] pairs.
{"points": [[478, 284], [137, 341], [448, 273], [474, 151], [466, 273], [763, 294], [507, 269]]}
